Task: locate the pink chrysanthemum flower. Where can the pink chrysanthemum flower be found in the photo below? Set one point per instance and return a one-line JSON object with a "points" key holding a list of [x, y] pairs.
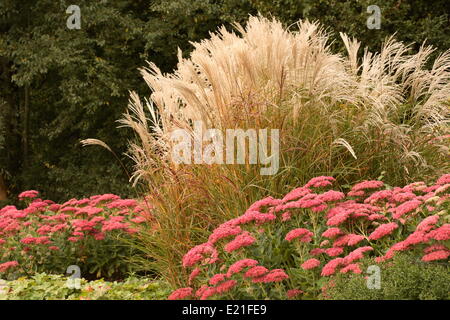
{"points": [[428, 223], [357, 254], [404, 208], [338, 218], [444, 179], [293, 293], [224, 231], [310, 264], [29, 194], [435, 247], [310, 203], [202, 290], [256, 272], [376, 216], [442, 233], [36, 240], [436, 255], [341, 241], [319, 208], [104, 197], [354, 239], [122, 203], [114, 225], [389, 255], [99, 236], [336, 210], [240, 265], [8, 265], [324, 243], [54, 207], [217, 278], [242, 240], [321, 181], [331, 233], [296, 194], [330, 268], [415, 238], [356, 193], [316, 251], [251, 216], [208, 292], [226, 286], [198, 254], [383, 230], [368, 184], [400, 246], [269, 201], [333, 252], [275, 275], [331, 196], [354, 267], [194, 274], [286, 216], [181, 293], [403, 196], [304, 235], [443, 189], [379, 195]]}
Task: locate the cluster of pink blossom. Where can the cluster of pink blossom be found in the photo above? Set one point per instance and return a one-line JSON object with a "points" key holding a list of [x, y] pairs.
{"points": [[336, 230], [44, 225]]}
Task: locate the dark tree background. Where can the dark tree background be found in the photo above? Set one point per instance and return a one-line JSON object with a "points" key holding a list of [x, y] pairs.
{"points": [[58, 86]]}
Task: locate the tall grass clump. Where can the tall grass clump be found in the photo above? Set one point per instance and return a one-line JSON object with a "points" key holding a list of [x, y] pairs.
{"points": [[350, 116]]}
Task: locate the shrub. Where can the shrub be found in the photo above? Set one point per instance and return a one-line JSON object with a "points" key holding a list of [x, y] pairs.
{"points": [[291, 247], [49, 237], [54, 287], [406, 277]]}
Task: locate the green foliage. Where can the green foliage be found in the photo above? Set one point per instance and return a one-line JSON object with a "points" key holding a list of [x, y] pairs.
{"points": [[411, 21], [74, 84], [404, 278], [54, 287], [58, 86]]}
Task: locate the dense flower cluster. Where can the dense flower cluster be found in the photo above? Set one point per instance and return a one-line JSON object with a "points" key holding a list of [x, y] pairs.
{"points": [[73, 231], [323, 233]]}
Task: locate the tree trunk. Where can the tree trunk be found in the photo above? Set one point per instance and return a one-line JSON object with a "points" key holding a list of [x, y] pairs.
{"points": [[25, 123], [3, 195]]}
